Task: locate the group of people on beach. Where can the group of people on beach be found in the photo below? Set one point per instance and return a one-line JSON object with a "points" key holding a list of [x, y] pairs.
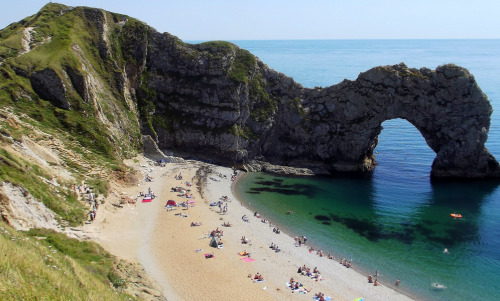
{"points": [[375, 282], [275, 248], [345, 263], [314, 274], [234, 175], [299, 241], [216, 233], [297, 286], [91, 199]]}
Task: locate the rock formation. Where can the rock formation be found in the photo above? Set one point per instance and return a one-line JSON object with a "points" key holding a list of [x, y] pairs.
{"points": [[49, 86], [267, 116], [214, 100]]}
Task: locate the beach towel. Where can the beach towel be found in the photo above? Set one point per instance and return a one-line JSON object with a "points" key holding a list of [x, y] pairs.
{"points": [[249, 259], [147, 200], [257, 280], [208, 255], [302, 289]]}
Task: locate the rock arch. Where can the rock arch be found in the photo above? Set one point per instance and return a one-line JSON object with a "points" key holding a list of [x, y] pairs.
{"points": [[446, 106]]}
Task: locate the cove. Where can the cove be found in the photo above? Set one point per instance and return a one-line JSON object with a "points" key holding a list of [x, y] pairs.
{"points": [[396, 221]]}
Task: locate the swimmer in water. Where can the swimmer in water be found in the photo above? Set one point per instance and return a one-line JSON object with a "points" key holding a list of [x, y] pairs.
{"points": [[445, 251]]}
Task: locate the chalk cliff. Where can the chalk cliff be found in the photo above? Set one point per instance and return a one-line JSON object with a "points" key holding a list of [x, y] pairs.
{"points": [[219, 102]]}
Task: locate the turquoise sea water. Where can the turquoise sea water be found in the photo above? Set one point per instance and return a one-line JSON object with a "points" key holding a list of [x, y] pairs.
{"points": [[396, 221]]}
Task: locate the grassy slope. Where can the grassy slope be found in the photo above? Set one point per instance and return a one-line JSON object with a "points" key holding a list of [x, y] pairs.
{"points": [[29, 268], [54, 268], [79, 129], [66, 31]]}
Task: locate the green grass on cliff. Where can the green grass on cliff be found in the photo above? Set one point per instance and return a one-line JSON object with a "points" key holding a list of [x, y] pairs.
{"points": [[265, 105], [243, 65], [43, 265], [60, 42]]}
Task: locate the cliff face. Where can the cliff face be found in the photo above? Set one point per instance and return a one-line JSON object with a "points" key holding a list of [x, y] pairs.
{"points": [[266, 116], [217, 101]]}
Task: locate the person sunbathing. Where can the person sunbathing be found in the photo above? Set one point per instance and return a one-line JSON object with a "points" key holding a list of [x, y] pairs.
{"points": [[244, 240], [256, 277], [318, 276], [195, 224]]}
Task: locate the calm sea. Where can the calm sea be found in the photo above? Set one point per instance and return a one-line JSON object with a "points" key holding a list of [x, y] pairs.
{"points": [[396, 221]]}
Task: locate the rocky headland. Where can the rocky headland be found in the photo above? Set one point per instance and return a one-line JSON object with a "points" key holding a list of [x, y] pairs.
{"points": [[218, 102]]}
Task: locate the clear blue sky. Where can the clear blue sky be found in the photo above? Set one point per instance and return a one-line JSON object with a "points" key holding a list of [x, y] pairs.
{"points": [[292, 19]]}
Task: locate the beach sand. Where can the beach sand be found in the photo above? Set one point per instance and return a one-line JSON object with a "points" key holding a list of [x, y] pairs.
{"points": [[166, 245]]}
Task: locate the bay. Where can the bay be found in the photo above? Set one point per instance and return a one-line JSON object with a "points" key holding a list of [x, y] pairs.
{"points": [[397, 221]]}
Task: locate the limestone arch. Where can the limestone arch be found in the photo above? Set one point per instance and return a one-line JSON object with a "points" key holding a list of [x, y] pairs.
{"points": [[446, 106]]}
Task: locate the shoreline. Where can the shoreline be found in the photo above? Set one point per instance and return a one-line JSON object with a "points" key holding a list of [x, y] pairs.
{"points": [[286, 231], [166, 245]]}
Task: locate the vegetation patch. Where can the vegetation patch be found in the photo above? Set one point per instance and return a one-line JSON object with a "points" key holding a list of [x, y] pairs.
{"points": [[264, 104], [244, 63], [44, 265]]}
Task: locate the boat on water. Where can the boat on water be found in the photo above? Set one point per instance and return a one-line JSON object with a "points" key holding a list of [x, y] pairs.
{"points": [[438, 286], [456, 215]]}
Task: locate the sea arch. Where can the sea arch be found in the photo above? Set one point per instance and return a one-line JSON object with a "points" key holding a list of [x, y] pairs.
{"points": [[446, 106]]}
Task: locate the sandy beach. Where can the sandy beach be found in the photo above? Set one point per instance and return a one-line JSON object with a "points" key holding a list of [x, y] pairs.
{"points": [[172, 251]]}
